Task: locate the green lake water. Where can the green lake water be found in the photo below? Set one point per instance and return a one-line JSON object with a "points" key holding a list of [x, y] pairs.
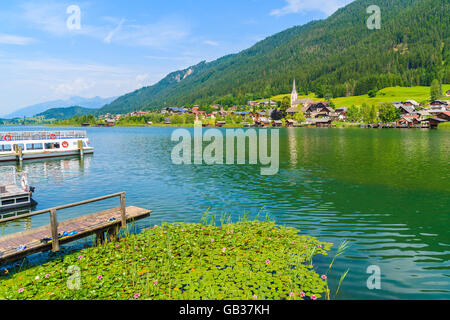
{"points": [[386, 191]]}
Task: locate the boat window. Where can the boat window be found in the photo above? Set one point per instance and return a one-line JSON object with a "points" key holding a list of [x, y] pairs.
{"points": [[35, 146], [16, 146], [49, 146], [5, 148]]}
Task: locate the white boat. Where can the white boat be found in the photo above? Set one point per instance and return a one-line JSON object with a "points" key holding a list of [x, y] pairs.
{"points": [[25, 145], [12, 195]]}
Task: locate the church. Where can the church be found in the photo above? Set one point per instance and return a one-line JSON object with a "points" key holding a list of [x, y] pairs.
{"points": [[295, 101]]}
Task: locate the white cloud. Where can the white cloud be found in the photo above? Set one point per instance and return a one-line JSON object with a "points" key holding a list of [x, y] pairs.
{"points": [[211, 43], [295, 6], [52, 79], [113, 32], [15, 40], [75, 87], [51, 17], [161, 34]]}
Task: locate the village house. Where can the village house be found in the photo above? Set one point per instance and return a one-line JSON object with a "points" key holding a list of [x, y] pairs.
{"points": [[433, 122], [291, 123], [138, 113], [277, 123], [409, 120], [319, 110], [444, 115], [438, 106], [262, 122], [423, 114], [252, 103], [110, 122], [268, 103], [220, 123], [342, 113], [406, 109], [320, 122]]}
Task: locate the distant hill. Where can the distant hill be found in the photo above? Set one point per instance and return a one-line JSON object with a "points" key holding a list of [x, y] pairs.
{"points": [[66, 113], [335, 57], [30, 111]]}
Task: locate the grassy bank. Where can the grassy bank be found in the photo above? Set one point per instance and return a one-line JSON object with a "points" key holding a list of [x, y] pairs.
{"points": [[245, 260], [391, 94]]}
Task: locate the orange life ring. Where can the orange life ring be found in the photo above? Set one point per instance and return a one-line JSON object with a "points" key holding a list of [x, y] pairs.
{"points": [[7, 137], [53, 136], [65, 144]]}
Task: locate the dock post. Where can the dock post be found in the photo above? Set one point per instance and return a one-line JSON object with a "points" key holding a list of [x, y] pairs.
{"points": [[122, 210], [80, 147], [19, 154], [54, 227]]}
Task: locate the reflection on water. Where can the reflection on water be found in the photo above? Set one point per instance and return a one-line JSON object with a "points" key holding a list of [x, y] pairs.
{"points": [[16, 225], [386, 191]]}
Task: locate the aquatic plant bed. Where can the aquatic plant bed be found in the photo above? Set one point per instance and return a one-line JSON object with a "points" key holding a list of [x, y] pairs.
{"points": [[244, 260]]}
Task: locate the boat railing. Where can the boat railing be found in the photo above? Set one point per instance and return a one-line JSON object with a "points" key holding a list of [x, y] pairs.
{"points": [[41, 135], [7, 176]]}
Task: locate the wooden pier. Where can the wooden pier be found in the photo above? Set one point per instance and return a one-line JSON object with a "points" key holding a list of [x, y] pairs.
{"points": [[19, 245]]}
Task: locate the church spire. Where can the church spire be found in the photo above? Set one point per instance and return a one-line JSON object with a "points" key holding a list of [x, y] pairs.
{"points": [[294, 96]]}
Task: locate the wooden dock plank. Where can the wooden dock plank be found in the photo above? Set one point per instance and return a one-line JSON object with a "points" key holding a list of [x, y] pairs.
{"points": [[83, 226]]}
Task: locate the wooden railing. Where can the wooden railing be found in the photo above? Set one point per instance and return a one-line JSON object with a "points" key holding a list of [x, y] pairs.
{"points": [[54, 219]]}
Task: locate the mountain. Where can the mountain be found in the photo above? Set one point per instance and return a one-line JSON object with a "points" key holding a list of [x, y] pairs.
{"points": [[66, 113], [335, 57], [30, 111]]}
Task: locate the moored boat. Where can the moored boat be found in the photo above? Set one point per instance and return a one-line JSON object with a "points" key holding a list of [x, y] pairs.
{"points": [[12, 195], [25, 145]]}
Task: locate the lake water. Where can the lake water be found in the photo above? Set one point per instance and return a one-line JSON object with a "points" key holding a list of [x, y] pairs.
{"points": [[386, 191]]}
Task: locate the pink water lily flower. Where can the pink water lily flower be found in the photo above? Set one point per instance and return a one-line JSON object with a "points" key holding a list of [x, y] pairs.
{"points": [[47, 275], [212, 240], [319, 246], [267, 261], [80, 257], [323, 277], [21, 290], [224, 249], [99, 277], [291, 294], [314, 297], [302, 294], [255, 297], [155, 282], [136, 295]]}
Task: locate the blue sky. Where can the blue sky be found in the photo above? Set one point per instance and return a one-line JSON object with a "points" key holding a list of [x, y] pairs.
{"points": [[124, 45]]}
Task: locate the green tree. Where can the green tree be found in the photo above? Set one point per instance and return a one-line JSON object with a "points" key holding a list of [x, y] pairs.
{"points": [[435, 90], [353, 113], [285, 104], [300, 117], [388, 113]]}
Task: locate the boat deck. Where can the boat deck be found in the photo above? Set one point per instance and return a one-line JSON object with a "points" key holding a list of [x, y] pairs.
{"points": [[22, 244], [12, 190]]}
